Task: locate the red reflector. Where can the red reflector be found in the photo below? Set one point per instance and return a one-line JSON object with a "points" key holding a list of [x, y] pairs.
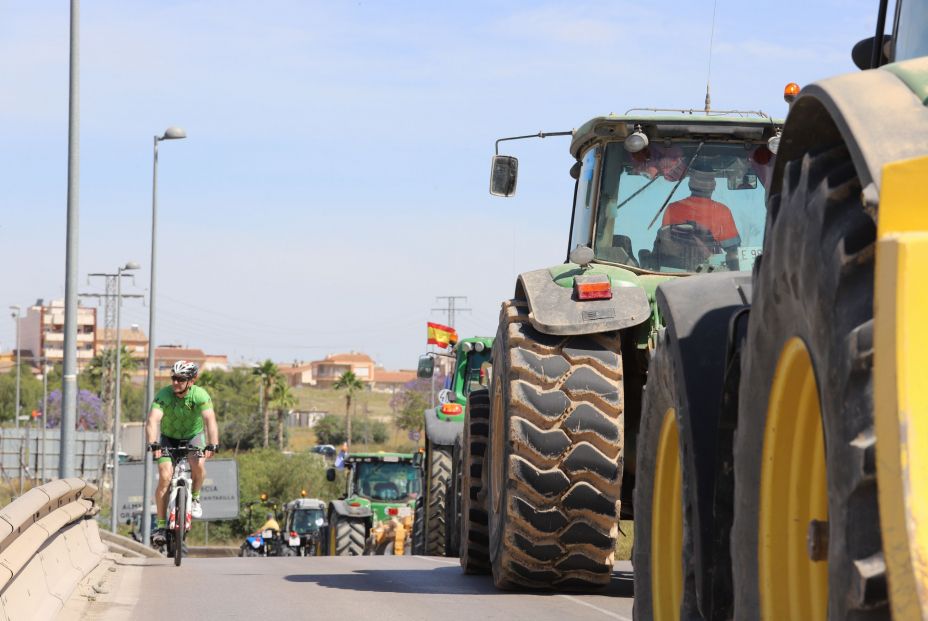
{"points": [[293, 533], [354, 504], [594, 291], [452, 408], [393, 511]]}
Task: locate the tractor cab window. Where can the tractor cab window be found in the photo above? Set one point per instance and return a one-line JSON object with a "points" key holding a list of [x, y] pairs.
{"points": [[679, 207], [387, 481], [306, 520], [474, 370], [911, 40], [583, 205]]}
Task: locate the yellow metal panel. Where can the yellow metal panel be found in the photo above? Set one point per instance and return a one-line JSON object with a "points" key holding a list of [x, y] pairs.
{"points": [[901, 385], [904, 198]]}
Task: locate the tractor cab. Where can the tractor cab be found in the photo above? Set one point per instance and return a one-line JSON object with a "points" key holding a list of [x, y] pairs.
{"points": [[671, 193]]}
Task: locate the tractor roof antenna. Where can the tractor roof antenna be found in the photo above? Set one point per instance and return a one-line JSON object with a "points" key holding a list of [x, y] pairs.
{"points": [[709, 69]]}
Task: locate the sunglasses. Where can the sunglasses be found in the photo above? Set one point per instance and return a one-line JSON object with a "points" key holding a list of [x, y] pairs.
{"points": [[177, 378]]}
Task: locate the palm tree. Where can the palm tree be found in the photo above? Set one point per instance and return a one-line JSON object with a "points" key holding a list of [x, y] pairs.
{"points": [[350, 383], [268, 372], [283, 400]]}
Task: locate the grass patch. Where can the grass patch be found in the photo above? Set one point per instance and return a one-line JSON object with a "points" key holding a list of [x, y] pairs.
{"points": [[623, 546]]}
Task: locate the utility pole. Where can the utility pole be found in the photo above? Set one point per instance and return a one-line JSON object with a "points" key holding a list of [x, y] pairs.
{"points": [[451, 307], [113, 291]]}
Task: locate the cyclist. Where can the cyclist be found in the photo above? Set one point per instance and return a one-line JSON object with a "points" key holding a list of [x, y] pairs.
{"points": [[180, 412]]}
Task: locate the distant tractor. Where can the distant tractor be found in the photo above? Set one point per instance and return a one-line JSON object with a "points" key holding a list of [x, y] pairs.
{"points": [[444, 428], [659, 195], [378, 511]]}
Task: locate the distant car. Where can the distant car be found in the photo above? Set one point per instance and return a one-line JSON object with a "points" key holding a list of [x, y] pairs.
{"points": [[326, 450]]}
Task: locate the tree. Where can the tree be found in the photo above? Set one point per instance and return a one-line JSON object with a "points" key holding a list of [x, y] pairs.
{"points": [[89, 411], [351, 384], [235, 400], [30, 391], [283, 399], [268, 372], [411, 401]]}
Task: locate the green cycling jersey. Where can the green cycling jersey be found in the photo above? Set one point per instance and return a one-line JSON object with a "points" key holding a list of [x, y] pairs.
{"points": [[183, 416]]}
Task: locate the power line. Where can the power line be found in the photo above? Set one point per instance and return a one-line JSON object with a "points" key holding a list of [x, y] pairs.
{"points": [[452, 306]]}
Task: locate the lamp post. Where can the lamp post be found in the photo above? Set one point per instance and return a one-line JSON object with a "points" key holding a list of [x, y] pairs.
{"points": [[16, 311], [114, 518], [171, 133]]}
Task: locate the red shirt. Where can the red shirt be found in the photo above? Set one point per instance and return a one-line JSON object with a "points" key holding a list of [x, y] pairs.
{"points": [[707, 213]]}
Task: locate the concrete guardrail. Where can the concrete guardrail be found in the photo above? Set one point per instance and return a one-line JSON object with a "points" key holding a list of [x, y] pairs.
{"points": [[47, 546]]}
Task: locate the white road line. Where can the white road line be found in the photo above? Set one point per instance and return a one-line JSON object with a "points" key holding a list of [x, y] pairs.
{"points": [[608, 613], [438, 560]]}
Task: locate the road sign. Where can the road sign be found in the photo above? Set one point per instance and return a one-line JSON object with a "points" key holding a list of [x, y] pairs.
{"points": [[414, 435], [219, 495]]}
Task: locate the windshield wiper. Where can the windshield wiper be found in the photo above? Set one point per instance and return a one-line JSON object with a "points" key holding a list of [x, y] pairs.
{"points": [[676, 185], [637, 192]]}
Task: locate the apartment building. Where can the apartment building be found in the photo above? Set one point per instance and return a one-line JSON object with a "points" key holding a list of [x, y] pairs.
{"points": [[41, 331], [327, 371], [133, 340]]}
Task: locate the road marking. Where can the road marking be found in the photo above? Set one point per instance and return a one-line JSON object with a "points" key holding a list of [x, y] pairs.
{"points": [[608, 613], [438, 560]]}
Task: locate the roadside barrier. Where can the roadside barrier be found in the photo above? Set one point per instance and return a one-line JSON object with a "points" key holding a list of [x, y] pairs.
{"points": [[47, 546]]}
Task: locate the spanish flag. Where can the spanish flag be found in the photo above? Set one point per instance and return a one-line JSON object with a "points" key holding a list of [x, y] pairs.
{"points": [[441, 336]]}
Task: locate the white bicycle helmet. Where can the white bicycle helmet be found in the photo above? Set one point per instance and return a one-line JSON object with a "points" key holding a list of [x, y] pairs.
{"points": [[185, 369]]}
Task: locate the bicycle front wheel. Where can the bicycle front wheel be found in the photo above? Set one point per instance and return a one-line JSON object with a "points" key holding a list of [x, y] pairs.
{"points": [[180, 524]]}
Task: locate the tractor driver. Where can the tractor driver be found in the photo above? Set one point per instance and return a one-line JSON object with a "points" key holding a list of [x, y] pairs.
{"points": [[711, 216], [178, 415]]}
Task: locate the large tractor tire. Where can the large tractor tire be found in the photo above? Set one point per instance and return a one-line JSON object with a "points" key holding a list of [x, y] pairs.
{"points": [[418, 528], [454, 500], [475, 538], [440, 481], [806, 534], [346, 536], [663, 552], [555, 467]]}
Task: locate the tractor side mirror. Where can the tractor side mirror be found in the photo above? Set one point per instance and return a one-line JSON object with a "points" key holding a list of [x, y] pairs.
{"points": [[330, 474], [503, 174], [426, 368]]}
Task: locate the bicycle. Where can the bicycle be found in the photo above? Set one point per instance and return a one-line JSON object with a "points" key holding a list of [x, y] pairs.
{"points": [[179, 500]]}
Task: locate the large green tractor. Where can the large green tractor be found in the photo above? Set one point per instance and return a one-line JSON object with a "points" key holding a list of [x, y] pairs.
{"points": [[783, 448], [444, 427], [658, 195], [377, 514]]}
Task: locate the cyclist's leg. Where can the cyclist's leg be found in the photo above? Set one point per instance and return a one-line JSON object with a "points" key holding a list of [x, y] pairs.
{"points": [[197, 464], [165, 471]]}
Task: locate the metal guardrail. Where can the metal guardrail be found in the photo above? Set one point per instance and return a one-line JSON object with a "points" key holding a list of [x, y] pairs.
{"points": [[46, 548]]}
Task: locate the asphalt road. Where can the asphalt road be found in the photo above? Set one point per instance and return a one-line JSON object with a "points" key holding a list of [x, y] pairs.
{"points": [[379, 588]]}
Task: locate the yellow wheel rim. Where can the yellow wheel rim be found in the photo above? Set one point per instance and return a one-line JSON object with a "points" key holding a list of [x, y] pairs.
{"points": [[497, 444], [793, 493], [667, 524], [332, 541]]}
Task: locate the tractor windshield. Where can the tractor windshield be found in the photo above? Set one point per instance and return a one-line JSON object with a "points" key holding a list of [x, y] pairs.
{"points": [[387, 481], [306, 520], [472, 375], [713, 214]]}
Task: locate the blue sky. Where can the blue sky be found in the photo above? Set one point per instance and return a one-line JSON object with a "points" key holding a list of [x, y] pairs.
{"points": [[335, 177]]}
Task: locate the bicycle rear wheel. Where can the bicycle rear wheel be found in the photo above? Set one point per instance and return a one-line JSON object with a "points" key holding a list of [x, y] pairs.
{"points": [[180, 524]]}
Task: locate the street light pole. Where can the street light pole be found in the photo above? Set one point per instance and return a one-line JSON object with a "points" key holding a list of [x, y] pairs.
{"points": [[114, 510], [45, 370], [16, 311], [69, 369], [171, 133]]}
